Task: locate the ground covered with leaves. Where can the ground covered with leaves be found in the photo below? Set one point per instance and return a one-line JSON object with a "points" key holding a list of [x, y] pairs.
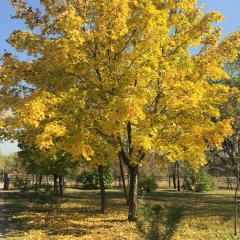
{"points": [[164, 214]]}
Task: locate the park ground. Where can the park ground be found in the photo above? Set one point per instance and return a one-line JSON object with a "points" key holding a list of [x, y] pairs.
{"points": [[76, 215]]}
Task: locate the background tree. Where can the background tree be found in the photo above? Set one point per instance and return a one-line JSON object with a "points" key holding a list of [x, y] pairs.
{"points": [[38, 162], [229, 153], [231, 108], [7, 168]]}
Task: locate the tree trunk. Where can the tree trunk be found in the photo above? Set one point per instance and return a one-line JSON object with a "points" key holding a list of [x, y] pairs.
{"points": [[40, 180], [102, 188], [174, 176], [133, 187], [236, 230], [60, 185], [123, 178], [133, 194], [55, 185], [3, 176], [6, 182], [236, 222], [120, 181], [178, 177], [229, 183], [133, 169]]}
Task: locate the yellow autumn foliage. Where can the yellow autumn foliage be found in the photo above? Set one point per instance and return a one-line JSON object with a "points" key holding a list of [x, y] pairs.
{"points": [[102, 64]]}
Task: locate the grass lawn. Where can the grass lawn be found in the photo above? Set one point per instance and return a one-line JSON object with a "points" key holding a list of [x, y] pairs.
{"points": [[76, 215]]}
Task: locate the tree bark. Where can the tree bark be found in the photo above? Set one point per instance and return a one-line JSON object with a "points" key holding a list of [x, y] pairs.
{"points": [[174, 176], [133, 194], [6, 182], [102, 189], [40, 180], [236, 229], [60, 185], [229, 183], [123, 178], [133, 187], [120, 181], [178, 177], [133, 169], [55, 185], [236, 221]]}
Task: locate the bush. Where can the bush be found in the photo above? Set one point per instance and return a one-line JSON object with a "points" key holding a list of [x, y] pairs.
{"points": [[157, 223], [90, 180], [46, 187], [22, 185], [148, 183], [200, 180], [151, 221]]}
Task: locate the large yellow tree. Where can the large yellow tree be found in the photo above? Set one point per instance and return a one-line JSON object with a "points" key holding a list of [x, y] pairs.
{"points": [[118, 77]]}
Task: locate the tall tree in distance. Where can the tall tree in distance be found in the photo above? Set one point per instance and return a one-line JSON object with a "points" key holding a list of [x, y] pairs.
{"points": [[7, 164], [229, 153], [117, 76]]}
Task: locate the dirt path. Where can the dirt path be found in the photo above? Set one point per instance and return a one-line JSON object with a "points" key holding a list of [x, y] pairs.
{"points": [[6, 228]]}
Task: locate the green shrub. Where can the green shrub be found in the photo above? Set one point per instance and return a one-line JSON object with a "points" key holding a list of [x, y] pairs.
{"points": [[46, 187], [151, 221], [22, 185], [157, 223], [148, 183], [90, 180], [201, 181]]}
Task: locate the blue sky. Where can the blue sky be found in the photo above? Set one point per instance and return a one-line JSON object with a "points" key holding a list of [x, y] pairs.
{"points": [[229, 8]]}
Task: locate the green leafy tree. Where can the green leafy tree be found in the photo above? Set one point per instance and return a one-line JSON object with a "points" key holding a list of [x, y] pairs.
{"points": [[39, 162], [229, 153], [7, 167], [199, 181], [90, 179], [148, 183]]}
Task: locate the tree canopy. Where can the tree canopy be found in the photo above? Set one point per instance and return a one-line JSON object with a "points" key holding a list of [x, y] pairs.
{"points": [[101, 64]]}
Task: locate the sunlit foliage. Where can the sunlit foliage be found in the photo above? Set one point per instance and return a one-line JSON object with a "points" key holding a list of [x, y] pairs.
{"points": [[102, 64]]}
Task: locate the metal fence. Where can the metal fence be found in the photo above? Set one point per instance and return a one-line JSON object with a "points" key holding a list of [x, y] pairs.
{"points": [[163, 182]]}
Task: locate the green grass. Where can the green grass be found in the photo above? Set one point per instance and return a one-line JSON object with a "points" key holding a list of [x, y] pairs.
{"points": [[77, 215]]}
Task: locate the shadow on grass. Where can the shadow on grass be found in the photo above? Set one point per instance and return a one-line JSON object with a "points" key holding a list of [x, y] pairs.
{"points": [[205, 204], [157, 222], [14, 202], [77, 213], [174, 216]]}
